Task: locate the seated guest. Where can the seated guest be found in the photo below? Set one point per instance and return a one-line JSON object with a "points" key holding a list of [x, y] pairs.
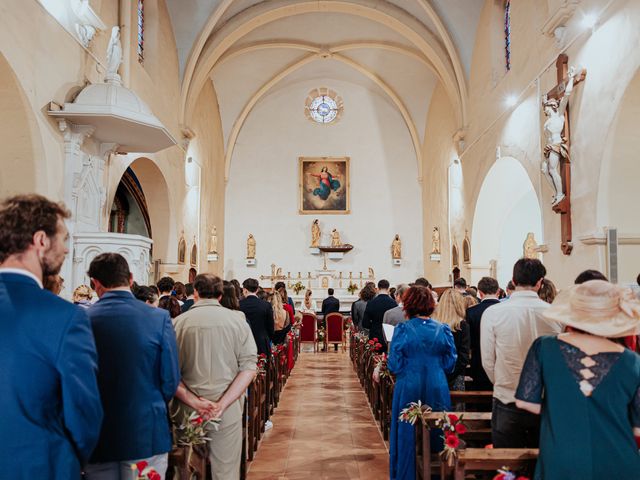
{"points": [[229, 299], [330, 304], [422, 354], [309, 305], [49, 400], [147, 295], [189, 301], [82, 296], [217, 363], [165, 286], [396, 315], [586, 386], [506, 334], [357, 308], [171, 305], [451, 311], [289, 300], [547, 291], [590, 275], [137, 373], [259, 315], [375, 310], [487, 290]]}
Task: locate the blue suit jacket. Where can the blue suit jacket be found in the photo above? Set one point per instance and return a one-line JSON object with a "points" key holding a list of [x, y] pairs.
{"points": [[50, 410], [138, 374]]}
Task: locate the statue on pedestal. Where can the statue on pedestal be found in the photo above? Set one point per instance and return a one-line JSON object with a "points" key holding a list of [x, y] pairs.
{"points": [[251, 247], [530, 247], [335, 238], [315, 233], [114, 56], [396, 248], [213, 241], [435, 239]]}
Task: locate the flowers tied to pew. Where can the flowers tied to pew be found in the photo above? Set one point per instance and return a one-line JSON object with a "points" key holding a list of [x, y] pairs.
{"points": [[372, 345], [262, 363], [506, 474], [143, 471], [193, 432], [381, 366]]}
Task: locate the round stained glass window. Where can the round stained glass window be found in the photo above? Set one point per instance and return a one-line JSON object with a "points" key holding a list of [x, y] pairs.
{"points": [[323, 109]]}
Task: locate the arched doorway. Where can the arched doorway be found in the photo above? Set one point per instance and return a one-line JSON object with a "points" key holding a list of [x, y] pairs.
{"points": [[19, 137], [619, 194], [129, 212], [506, 210]]}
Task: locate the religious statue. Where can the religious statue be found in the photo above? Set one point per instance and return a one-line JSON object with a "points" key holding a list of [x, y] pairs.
{"points": [[530, 247], [335, 238], [114, 56], [556, 147], [435, 239], [251, 247], [315, 233], [213, 241], [396, 248], [372, 275]]}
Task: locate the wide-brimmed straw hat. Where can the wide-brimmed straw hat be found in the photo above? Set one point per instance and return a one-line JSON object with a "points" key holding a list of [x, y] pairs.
{"points": [[599, 308]]}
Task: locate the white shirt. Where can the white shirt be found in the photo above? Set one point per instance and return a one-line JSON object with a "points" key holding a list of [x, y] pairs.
{"points": [[506, 333], [22, 271]]}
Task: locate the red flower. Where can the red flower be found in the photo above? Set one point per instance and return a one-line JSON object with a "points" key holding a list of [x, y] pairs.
{"points": [[378, 346], [500, 476], [461, 428], [452, 417], [197, 421], [375, 340], [452, 441], [522, 478], [371, 342], [141, 465], [153, 475]]}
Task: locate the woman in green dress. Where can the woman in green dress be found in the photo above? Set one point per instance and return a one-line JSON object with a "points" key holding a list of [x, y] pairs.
{"points": [[586, 387]]}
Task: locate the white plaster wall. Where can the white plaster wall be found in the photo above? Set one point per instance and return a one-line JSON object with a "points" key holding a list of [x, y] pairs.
{"points": [[262, 192]]}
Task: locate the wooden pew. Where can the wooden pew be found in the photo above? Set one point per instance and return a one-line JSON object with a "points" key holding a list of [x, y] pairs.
{"points": [[476, 460], [473, 400]]}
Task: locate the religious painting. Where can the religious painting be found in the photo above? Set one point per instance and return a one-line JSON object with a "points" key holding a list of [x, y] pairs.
{"points": [[182, 250], [455, 256], [466, 249], [194, 254], [324, 185]]}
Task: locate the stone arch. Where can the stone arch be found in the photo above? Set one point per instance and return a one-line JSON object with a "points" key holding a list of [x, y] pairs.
{"points": [[507, 208], [22, 154], [618, 192]]}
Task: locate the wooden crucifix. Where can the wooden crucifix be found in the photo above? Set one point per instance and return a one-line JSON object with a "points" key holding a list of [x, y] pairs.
{"points": [[557, 129]]}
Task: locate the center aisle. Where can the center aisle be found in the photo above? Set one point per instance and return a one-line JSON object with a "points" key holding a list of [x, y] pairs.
{"points": [[323, 427]]}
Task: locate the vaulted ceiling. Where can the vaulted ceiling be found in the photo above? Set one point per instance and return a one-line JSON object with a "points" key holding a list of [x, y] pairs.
{"points": [[400, 48]]}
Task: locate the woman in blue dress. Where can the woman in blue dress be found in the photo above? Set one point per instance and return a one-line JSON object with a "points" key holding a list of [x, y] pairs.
{"points": [[327, 183], [422, 354]]}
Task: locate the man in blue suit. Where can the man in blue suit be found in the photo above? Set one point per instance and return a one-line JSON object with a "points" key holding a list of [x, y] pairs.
{"points": [[138, 373], [50, 412]]}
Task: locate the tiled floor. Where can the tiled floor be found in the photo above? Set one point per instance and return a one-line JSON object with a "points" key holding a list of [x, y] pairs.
{"points": [[323, 427]]}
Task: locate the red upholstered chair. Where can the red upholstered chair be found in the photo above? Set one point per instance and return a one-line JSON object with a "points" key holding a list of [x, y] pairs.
{"points": [[335, 330], [309, 330]]}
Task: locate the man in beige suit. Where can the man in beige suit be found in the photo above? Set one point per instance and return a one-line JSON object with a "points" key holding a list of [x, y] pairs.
{"points": [[217, 356]]}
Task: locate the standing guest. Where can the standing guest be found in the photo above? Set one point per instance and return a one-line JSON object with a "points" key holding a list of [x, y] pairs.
{"points": [[50, 403], [509, 290], [375, 310], [262, 294], [53, 283], [470, 301], [189, 301], [472, 291], [288, 300], [460, 285], [180, 292], [218, 363], [590, 275], [501, 294], [259, 315], [357, 308], [238, 288], [396, 315], [488, 290], [586, 386], [229, 299], [547, 291], [309, 305], [392, 292], [506, 333], [147, 295], [137, 373], [165, 286], [282, 291], [82, 296], [423, 282], [171, 305], [451, 311], [330, 304], [281, 317], [422, 354]]}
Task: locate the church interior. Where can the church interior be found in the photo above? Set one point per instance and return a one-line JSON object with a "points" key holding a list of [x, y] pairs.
{"points": [[327, 144]]}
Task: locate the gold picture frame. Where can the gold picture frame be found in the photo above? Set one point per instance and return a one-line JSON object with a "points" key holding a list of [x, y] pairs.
{"points": [[324, 186]]}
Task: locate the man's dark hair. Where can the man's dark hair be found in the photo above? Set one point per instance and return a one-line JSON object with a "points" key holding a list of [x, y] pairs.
{"points": [[22, 216], [165, 284], [422, 282], [488, 286], [188, 288], [251, 284], [590, 275], [330, 291], [279, 285], [460, 283], [527, 272], [111, 270], [208, 285], [383, 284], [229, 297], [511, 286], [144, 293]]}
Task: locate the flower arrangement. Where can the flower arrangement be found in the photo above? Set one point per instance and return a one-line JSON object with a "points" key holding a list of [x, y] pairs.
{"points": [[262, 363], [412, 412], [348, 323], [381, 365], [372, 345], [452, 427], [298, 287], [505, 474], [143, 471], [352, 288], [194, 430], [321, 334]]}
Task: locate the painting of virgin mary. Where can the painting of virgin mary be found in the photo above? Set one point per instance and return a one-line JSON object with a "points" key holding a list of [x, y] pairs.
{"points": [[324, 185]]}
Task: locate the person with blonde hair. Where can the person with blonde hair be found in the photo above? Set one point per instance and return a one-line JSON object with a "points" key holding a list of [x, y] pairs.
{"points": [[547, 291], [586, 386], [309, 305], [280, 317], [82, 296], [451, 310]]}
